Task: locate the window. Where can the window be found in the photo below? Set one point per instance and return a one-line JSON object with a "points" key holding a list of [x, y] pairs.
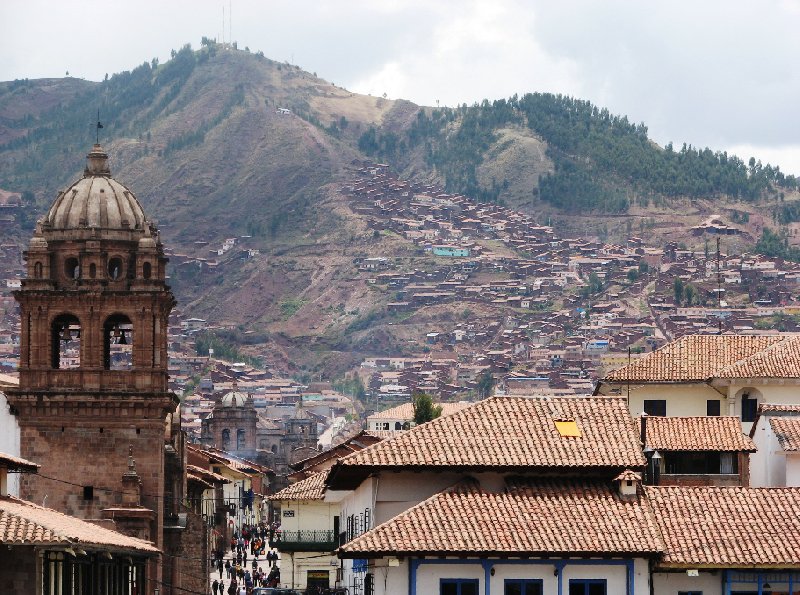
{"points": [[700, 463], [591, 586], [88, 492], [37, 270], [656, 407], [115, 268], [568, 428], [147, 270], [749, 407], [71, 268], [712, 407], [226, 439], [523, 587], [458, 586], [118, 343], [240, 439], [690, 593], [65, 337]]}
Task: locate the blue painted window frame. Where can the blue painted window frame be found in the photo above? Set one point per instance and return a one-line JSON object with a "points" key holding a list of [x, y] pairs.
{"points": [[588, 581], [690, 593], [458, 582], [524, 582]]}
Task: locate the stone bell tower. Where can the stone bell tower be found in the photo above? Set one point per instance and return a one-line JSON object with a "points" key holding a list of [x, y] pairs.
{"points": [[93, 366]]}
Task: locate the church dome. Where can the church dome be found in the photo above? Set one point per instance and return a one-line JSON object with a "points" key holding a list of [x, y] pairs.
{"points": [[96, 202], [234, 398]]}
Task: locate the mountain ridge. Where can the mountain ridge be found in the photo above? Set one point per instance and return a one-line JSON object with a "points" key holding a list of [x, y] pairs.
{"points": [[204, 144]]}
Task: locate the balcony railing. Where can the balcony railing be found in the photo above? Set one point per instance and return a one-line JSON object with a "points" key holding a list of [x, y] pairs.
{"points": [[304, 541]]}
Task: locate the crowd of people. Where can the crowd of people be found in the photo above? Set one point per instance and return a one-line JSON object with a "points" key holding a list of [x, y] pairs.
{"points": [[240, 577]]}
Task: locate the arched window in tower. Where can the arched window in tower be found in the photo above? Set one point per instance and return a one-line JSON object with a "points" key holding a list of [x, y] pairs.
{"points": [[226, 439], [37, 270], [92, 271], [274, 449], [147, 270], [240, 440], [115, 268], [72, 268], [118, 343], [65, 342]]}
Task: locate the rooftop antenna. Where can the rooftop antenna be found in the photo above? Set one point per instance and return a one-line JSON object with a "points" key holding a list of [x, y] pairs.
{"points": [[230, 21], [223, 25]]}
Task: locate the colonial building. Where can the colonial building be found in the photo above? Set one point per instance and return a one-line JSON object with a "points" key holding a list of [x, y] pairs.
{"points": [[711, 375], [234, 426], [92, 404]]}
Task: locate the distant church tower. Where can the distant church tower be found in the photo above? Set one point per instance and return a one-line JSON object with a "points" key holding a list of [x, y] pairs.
{"points": [[93, 366]]}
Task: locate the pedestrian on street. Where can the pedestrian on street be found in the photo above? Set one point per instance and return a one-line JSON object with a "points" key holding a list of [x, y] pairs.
{"points": [[219, 566], [215, 587], [227, 569]]}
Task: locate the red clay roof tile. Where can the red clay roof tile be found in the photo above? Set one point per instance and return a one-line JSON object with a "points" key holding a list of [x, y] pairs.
{"points": [[23, 522], [722, 434], [530, 518], [728, 526], [513, 432], [701, 357]]}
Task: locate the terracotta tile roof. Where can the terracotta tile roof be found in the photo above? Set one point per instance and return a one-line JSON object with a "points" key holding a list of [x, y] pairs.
{"points": [[781, 360], [13, 463], [207, 475], [406, 410], [548, 518], [236, 463], [512, 433], [310, 488], [628, 475], [358, 441], [778, 408], [728, 526], [382, 434], [788, 432], [700, 357], [23, 522], [723, 434]]}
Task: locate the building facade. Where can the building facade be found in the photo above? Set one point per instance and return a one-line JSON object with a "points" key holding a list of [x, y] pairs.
{"points": [[92, 394]]}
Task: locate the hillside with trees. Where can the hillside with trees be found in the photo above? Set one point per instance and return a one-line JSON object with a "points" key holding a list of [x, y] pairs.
{"points": [[219, 142]]}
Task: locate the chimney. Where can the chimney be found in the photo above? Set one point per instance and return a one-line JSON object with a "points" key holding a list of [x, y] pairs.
{"points": [[628, 485]]}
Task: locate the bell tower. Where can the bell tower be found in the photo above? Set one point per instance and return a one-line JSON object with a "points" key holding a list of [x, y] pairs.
{"points": [[94, 308]]}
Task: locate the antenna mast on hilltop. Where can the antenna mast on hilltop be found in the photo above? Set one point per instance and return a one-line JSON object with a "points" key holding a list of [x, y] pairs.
{"points": [[223, 25]]}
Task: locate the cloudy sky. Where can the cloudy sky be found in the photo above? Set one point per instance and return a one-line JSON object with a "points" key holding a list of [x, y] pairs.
{"points": [[715, 73]]}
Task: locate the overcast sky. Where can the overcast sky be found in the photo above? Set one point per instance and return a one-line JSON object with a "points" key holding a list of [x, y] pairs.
{"points": [[715, 73]]}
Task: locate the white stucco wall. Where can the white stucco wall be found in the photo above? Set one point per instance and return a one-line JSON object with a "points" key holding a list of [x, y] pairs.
{"points": [[767, 464], [295, 567], [394, 580], [669, 583], [792, 470], [682, 399], [9, 441], [308, 516]]}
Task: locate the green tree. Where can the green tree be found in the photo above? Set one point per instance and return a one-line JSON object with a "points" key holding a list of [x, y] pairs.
{"points": [[424, 409], [485, 384], [689, 293], [677, 290]]}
